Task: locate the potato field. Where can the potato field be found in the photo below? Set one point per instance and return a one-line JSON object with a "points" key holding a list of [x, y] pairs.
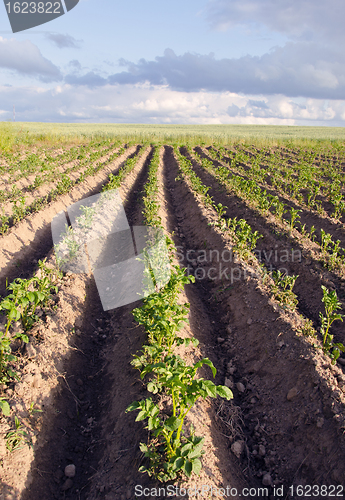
{"points": [[225, 382]]}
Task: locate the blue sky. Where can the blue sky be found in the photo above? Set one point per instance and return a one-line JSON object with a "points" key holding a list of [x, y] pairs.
{"points": [[206, 61]]}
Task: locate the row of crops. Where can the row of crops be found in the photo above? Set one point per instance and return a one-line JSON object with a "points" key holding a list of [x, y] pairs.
{"points": [[62, 172], [28, 300], [310, 178], [244, 240], [282, 185], [247, 187]]}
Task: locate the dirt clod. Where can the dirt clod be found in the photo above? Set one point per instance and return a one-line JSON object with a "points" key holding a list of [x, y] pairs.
{"points": [[30, 351], [237, 448], [229, 383], [67, 484], [320, 421], [70, 470], [267, 480], [240, 387], [292, 393], [262, 450]]}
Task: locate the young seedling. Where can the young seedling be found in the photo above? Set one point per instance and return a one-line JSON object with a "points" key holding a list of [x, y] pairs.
{"points": [[294, 216], [221, 210], [33, 410], [326, 240], [334, 258], [311, 234], [282, 289], [307, 329], [21, 305], [19, 211], [16, 439], [85, 220], [332, 304], [4, 220], [339, 206]]}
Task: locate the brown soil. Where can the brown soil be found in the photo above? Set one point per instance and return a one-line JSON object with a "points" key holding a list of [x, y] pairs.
{"points": [[67, 369], [287, 416], [280, 249], [289, 392]]}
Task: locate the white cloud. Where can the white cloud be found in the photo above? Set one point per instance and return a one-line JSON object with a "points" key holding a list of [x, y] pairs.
{"points": [[159, 104], [26, 59]]}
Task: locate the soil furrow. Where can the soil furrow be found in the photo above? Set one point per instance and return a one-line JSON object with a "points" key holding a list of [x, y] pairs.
{"points": [[221, 468], [31, 238], [285, 425], [308, 217], [23, 181], [291, 405], [278, 251], [75, 387], [47, 192]]}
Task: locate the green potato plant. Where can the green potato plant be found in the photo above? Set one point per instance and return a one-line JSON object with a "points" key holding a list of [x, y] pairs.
{"points": [[282, 289], [20, 305], [331, 304], [172, 452]]}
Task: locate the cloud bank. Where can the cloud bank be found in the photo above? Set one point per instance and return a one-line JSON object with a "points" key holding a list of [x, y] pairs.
{"points": [[146, 104], [296, 70], [301, 82]]}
